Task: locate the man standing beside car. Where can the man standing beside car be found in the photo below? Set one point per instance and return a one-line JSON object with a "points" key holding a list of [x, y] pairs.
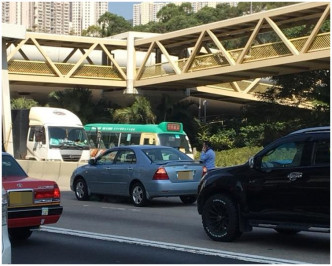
{"points": [[208, 156]]}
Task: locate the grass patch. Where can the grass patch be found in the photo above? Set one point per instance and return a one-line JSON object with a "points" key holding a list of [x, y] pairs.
{"points": [[233, 156]]}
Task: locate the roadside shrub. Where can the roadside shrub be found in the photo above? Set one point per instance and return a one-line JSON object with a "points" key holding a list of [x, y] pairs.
{"points": [[234, 156]]}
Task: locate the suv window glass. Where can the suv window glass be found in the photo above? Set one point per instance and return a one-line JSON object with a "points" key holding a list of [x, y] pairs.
{"points": [[286, 155], [322, 153]]}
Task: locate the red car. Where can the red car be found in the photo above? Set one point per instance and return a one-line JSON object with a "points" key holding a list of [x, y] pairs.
{"points": [[31, 202]]}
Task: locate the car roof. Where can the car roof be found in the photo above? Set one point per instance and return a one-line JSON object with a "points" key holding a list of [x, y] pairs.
{"points": [[312, 130]]}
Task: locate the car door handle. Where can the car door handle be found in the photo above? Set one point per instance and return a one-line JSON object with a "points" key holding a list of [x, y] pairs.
{"points": [[130, 168], [294, 176]]}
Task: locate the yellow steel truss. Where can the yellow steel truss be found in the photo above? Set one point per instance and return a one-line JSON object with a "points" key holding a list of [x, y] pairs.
{"points": [[188, 58]]}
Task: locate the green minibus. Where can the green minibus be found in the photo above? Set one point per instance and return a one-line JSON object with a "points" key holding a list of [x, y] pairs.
{"points": [[105, 136]]}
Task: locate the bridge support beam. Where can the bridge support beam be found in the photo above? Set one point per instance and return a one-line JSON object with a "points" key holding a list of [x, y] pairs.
{"points": [[131, 64], [10, 33]]}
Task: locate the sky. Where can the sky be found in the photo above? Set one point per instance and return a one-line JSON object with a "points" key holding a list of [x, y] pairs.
{"points": [[123, 8]]}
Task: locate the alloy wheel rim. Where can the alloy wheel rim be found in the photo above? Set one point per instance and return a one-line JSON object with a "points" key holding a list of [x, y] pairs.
{"points": [[137, 195], [79, 189], [218, 218]]}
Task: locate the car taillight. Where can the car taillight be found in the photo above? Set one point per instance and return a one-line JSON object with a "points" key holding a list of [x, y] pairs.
{"points": [[56, 192], [48, 195], [160, 174], [204, 171]]}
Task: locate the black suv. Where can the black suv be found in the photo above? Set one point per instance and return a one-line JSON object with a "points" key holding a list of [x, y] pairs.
{"points": [[286, 187]]}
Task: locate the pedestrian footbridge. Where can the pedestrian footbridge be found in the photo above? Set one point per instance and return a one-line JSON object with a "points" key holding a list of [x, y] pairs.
{"points": [[226, 58]]}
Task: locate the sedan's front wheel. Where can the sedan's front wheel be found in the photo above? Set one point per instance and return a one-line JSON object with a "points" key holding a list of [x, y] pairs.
{"points": [[138, 195], [81, 189]]}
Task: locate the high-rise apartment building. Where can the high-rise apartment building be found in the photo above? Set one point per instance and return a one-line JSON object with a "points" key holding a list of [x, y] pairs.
{"points": [[145, 12], [199, 5], [85, 14], [53, 17], [49, 17], [21, 13]]}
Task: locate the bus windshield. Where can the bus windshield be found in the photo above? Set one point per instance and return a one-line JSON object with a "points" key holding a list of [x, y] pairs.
{"points": [[178, 141], [64, 137]]}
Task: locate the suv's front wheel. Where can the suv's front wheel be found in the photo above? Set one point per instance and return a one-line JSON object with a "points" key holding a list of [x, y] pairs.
{"points": [[220, 218]]}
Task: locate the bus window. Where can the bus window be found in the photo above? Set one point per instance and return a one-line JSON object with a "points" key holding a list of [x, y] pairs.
{"points": [[149, 141], [178, 141], [130, 139], [111, 139]]}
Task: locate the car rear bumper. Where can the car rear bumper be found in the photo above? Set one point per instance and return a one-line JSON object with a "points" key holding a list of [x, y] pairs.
{"points": [[29, 217], [168, 189]]}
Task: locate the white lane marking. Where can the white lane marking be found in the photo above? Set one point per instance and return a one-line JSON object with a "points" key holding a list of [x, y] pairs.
{"points": [[170, 246], [120, 209]]}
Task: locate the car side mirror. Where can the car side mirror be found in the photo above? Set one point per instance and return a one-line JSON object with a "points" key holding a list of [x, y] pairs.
{"points": [[251, 162], [254, 162], [92, 161]]}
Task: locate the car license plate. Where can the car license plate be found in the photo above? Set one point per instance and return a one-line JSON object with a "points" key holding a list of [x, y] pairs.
{"points": [[20, 198], [185, 175], [44, 211]]}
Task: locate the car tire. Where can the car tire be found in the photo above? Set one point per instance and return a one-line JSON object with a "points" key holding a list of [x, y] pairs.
{"points": [[138, 195], [188, 199], [81, 189], [287, 231], [220, 218], [17, 234]]}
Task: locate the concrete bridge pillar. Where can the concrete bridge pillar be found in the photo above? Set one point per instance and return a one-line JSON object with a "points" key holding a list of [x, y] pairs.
{"points": [[10, 33]]}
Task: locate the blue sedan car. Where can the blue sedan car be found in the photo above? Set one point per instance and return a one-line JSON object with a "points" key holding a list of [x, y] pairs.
{"points": [[142, 172]]}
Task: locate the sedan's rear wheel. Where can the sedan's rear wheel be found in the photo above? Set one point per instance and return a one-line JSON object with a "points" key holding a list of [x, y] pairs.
{"points": [[138, 195], [188, 199], [81, 189], [220, 218], [19, 233]]}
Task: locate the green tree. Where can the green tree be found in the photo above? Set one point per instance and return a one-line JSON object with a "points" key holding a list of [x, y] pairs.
{"points": [[254, 7], [140, 112], [169, 11], [22, 103], [92, 31], [306, 87], [79, 101], [112, 24], [181, 22]]}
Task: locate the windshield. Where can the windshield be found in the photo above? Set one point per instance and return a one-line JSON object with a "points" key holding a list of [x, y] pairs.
{"points": [[178, 141], [64, 137], [11, 168]]}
